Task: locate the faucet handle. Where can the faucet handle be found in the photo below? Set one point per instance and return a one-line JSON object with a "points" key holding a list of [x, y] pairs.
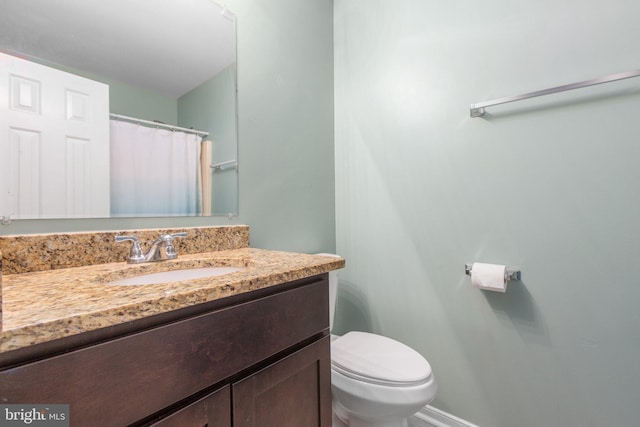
{"points": [[135, 253], [169, 249], [168, 238]]}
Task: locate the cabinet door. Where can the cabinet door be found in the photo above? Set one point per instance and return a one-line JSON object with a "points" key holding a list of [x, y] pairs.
{"points": [[293, 392], [213, 410]]}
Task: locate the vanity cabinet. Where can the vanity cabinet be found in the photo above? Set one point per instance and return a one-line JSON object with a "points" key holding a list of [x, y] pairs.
{"points": [[212, 411], [259, 359]]}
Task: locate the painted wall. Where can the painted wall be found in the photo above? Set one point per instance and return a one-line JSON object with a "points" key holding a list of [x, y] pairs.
{"points": [[136, 102], [212, 107], [285, 75], [285, 102], [548, 185]]}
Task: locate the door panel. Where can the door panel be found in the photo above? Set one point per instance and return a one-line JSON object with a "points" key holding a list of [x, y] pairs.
{"points": [[54, 142], [294, 392]]}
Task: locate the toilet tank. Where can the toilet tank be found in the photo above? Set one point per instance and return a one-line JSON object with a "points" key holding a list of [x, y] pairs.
{"points": [[333, 291]]}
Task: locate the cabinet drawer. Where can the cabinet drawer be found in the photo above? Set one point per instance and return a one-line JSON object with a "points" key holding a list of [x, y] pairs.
{"points": [[124, 380]]}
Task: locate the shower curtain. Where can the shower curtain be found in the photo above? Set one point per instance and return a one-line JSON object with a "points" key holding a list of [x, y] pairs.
{"points": [[154, 172]]}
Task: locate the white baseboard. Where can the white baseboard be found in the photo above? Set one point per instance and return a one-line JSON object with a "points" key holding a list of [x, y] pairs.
{"points": [[434, 417]]}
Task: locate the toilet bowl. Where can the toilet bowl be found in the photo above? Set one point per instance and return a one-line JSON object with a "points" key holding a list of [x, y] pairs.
{"points": [[375, 381]]}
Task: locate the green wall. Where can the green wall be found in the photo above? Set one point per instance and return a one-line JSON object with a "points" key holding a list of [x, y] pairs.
{"points": [[548, 185], [285, 105], [212, 107], [285, 76], [143, 104]]}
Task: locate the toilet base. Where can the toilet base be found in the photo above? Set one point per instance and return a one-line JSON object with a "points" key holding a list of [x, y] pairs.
{"points": [[345, 420], [337, 422]]}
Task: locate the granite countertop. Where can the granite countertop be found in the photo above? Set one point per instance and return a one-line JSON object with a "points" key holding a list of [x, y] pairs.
{"points": [[43, 306]]}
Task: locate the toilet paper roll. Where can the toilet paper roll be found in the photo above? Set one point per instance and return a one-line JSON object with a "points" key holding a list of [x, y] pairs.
{"points": [[489, 276]]}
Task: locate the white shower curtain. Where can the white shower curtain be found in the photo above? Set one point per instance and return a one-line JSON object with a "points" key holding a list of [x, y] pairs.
{"points": [[154, 172]]}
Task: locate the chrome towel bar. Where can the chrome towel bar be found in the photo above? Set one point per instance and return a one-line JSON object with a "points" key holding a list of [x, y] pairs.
{"points": [[224, 165], [477, 110]]}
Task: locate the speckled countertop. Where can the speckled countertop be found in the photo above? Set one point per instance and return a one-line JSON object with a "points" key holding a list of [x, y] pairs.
{"points": [[57, 285], [47, 305]]}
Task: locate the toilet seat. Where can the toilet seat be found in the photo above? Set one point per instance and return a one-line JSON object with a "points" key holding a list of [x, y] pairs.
{"points": [[375, 359]]}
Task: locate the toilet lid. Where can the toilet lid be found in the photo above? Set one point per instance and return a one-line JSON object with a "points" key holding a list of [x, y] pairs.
{"points": [[379, 360]]}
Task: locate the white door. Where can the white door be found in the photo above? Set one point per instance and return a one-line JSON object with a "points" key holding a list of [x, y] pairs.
{"points": [[54, 143]]}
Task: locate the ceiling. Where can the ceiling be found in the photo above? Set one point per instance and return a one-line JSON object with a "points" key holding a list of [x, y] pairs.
{"points": [[167, 46]]}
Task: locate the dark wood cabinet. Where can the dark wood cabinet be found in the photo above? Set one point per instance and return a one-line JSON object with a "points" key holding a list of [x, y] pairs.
{"points": [[294, 392], [267, 352], [210, 411]]}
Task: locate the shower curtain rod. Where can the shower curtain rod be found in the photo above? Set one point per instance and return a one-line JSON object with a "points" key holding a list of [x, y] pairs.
{"points": [[477, 110], [158, 124]]}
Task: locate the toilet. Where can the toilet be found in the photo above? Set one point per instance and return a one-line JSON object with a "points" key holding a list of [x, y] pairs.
{"points": [[375, 381]]}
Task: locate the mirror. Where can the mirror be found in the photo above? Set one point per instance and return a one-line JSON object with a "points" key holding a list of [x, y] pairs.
{"points": [[162, 62]]}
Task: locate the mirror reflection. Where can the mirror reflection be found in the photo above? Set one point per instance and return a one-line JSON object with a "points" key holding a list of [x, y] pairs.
{"points": [[119, 108]]}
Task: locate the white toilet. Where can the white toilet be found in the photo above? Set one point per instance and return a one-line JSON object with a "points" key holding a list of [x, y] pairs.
{"points": [[375, 381]]}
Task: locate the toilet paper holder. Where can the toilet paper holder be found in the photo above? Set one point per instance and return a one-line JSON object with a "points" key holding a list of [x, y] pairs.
{"points": [[509, 273]]}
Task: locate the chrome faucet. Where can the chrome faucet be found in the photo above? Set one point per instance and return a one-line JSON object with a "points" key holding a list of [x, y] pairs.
{"points": [[161, 249]]}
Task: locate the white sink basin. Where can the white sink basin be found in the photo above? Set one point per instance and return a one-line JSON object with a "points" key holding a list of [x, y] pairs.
{"points": [[175, 276]]}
